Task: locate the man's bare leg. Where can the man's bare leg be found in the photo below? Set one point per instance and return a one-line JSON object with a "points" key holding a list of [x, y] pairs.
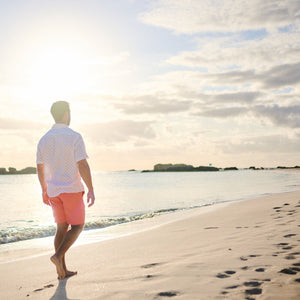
{"points": [[62, 229], [63, 241]]}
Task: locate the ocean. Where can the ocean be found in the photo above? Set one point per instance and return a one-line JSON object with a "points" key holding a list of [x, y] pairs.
{"points": [[123, 197]]}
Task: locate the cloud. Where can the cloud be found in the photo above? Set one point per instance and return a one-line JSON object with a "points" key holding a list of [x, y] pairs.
{"points": [[283, 75], [272, 144], [238, 97], [148, 104], [190, 83], [197, 16], [21, 125], [286, 116], [223, 112], [152, 104], [118, 131], [280, 116], [275, 77], [217, 53]]}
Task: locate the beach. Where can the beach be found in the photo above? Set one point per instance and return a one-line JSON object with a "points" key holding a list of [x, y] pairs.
{"points": [[245, 250]]}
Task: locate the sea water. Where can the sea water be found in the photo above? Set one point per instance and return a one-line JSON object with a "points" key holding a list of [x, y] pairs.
{"points": [[123, 197]]}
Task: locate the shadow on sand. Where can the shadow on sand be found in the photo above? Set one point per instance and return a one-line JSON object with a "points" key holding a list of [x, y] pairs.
{"points": [[61, 291]]}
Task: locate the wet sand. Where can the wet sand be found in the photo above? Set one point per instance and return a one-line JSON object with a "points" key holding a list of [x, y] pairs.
{"points": [[246, 250]]}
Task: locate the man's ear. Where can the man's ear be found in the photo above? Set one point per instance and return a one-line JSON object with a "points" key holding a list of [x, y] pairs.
{"points": [[65, 117]]}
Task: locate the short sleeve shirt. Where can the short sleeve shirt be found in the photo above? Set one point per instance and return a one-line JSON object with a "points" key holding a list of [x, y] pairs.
{"points": [[59, 150]]}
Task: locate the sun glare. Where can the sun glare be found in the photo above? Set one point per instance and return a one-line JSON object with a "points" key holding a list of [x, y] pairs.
{"points": [[60, 69]]}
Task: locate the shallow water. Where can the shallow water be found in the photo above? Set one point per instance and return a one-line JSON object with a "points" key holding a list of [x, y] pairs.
{"points": [[127, 196]]}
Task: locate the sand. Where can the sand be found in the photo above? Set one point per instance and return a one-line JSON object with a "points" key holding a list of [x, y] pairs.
{"points": [[246, 250]]}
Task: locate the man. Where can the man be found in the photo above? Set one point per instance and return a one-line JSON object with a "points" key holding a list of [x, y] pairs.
{"points": [[61, 164]]}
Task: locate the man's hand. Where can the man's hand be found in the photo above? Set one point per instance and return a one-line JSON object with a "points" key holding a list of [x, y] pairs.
{"points": [[46, 198], [90, 198], [41, 175]]}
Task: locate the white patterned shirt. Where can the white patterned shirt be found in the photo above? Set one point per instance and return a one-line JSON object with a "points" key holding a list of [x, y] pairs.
{"points": [[59, 150]]}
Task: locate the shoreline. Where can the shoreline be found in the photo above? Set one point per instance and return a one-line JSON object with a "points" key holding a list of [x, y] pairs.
{"points": [[201, 189], [246, 249], [30, 248]]}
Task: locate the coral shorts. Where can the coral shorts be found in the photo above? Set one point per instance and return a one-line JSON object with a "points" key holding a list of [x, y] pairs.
{"points": [[68, 208]]}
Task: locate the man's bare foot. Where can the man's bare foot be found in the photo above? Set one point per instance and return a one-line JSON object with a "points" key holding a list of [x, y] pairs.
{"points": [[70, 273], [59, 267]]}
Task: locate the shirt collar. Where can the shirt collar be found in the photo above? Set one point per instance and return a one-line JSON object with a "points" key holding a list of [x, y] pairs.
{"points": [[59, 126]]}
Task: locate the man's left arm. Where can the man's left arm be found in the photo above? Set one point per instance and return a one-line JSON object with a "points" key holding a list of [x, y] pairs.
{"points": [[41, 176], [85, 173]]}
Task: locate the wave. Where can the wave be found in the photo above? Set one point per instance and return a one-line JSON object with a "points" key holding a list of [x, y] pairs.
{"points": [[22, 234]]}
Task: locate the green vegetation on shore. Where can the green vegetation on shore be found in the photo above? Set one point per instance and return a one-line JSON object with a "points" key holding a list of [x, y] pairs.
{"points": [[14, 171], [190, 168]]}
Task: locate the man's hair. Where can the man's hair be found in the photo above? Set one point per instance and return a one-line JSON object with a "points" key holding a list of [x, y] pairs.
{"points": [[58, 110]]}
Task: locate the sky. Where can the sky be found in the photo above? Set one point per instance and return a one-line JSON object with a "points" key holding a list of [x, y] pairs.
{"points": [[197, 82]]}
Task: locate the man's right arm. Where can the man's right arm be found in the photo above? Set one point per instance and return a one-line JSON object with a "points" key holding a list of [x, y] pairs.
{"points": [[41, 175], [85, 173]]}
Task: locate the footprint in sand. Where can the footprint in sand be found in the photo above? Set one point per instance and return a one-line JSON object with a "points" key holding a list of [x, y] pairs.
{"points": [[211, 227], [225, 274], [244, 258], [287, 248], [220, 275], [289, 235], [150, 276], [45, 287], [252, 283], [295, 269], [290, 256], [168, 294], [282, 244], [288, 271], [291, 221], [224, 292], [230, 272], [260, 270], [232, 287], [150, 265], [254, 291], [255, 287]]}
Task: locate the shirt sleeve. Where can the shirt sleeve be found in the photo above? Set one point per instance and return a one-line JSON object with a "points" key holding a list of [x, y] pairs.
{"points": [[80, 152], [39, 158]]}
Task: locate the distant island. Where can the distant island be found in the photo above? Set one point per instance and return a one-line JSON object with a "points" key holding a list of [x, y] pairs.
{"points": [[190, 168], [14, 171]]}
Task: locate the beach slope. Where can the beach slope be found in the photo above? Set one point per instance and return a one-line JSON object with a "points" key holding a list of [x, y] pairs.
{"points": [[246, 250]]}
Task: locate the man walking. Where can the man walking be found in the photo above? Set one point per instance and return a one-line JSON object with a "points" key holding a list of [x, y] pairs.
{"points": [[61, 164]]}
